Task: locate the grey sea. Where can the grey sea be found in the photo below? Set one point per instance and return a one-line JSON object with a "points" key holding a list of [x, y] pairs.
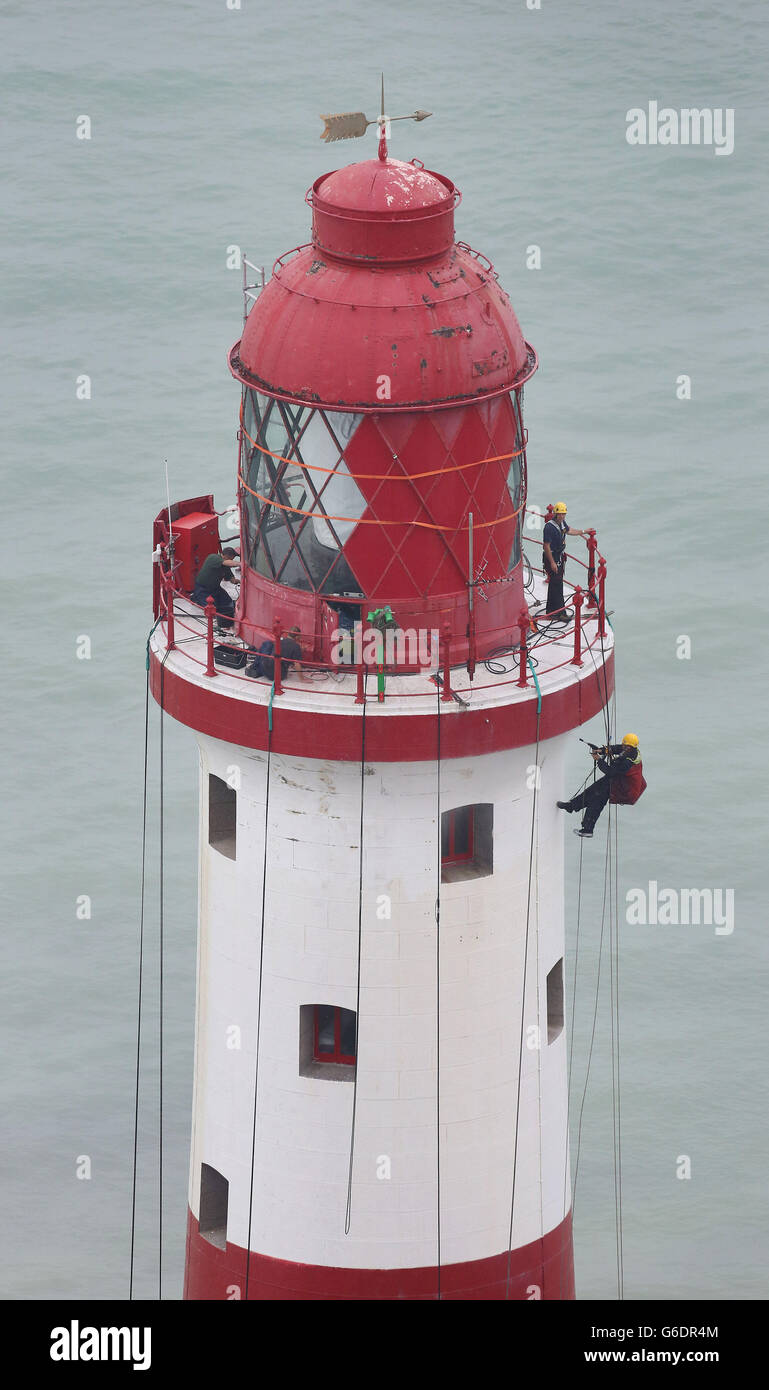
{"points": [[203, 136]]}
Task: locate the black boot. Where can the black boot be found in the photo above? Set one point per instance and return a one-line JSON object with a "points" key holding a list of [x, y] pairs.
{"points": [[564, 806]]}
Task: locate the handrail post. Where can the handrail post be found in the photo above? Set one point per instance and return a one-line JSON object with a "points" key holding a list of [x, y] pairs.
{"points": [[523, 624], [602, 598], [446, 661], [360, 695], [550, 513], [592, 546], [168, 590], [210, 612], [578, 600], [276, 661]]}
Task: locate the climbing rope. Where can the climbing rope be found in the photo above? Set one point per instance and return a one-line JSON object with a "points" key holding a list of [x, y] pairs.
{"points": [[610, 897], [438, 992], [592, 1035], [161, 914], [523, 1011], [348, 1211], [259, 990], [141, 977], [373, 521], [620, 1233]]}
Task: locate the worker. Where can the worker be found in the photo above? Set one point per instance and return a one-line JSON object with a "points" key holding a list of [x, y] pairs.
{"points": [[208, 584], [264, 663], [554, 561], [622, 784]]}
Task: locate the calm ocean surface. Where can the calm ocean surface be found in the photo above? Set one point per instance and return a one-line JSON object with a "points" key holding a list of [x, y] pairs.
{"points": [[205, 134]]}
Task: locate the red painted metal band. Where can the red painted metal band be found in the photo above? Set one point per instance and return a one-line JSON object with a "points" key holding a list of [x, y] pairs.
{"points": [[389, 738], [242, 374], [544, 1269]]}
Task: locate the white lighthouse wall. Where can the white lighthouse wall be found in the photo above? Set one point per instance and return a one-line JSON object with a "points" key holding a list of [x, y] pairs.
{"points": [[303, 1127]]}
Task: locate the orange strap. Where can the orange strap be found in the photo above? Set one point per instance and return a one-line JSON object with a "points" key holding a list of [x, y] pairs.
{"points": [[380, 477], [372, 521]]}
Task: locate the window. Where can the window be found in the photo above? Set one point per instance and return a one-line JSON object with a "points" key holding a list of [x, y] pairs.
{"points": [[467, 843], [222, 813], [288, 508], [555, 1001], [214, 1198], [327, 1041]]}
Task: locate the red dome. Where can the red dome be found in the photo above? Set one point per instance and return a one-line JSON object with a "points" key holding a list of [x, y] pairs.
{"points": [[383, 185], [384, 311]]}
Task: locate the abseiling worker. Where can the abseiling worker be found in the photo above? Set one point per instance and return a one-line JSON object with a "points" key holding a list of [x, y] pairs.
{"points": [[208, 583], [554, 560], [622, 783]]}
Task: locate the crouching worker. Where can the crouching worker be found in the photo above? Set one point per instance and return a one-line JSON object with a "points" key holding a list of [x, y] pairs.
{"points": [[622, 783], [263, 663], [208, 584]]}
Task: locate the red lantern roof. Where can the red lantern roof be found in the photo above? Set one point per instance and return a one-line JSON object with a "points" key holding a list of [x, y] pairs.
{"points": [[383, 310]]}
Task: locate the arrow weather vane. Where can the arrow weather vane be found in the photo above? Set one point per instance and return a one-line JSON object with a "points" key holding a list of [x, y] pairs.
{"points": [[350, 125]]}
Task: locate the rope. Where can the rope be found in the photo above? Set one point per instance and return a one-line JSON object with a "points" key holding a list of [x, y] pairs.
{"points": [[595, 1016], [161, 851], [571, 1048], [616, 1092], [381, 477], [438, 994], [620, 1234], [523, 1020], [141, 973], [612, 1011], [372, 521], [348, 1212], [259, 992]]}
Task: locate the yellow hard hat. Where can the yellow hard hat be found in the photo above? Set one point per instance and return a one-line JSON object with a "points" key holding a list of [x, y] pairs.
{"points": [[632, 739], [560, 508]]}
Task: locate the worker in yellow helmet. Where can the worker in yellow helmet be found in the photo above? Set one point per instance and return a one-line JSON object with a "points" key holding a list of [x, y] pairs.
{"points": [[554, 561], [622, 783]]}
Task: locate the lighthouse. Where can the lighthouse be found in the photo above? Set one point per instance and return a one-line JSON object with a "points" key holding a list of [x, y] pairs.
{"points": [[380, 1070]]}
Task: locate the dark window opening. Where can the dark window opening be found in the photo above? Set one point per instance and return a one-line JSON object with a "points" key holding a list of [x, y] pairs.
{"points": [[467, 843], [555, 1001], [327, 1041], [214, 1199], [222, 813]]}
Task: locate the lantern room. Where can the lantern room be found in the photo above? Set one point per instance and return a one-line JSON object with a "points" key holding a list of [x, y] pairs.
{"points": [[382, 446]]}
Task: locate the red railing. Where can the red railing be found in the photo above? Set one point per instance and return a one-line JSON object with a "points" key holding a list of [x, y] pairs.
{"points": [[520, 651]]}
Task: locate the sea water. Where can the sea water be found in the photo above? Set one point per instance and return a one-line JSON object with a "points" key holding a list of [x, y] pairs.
{"points": [[201, 134]]}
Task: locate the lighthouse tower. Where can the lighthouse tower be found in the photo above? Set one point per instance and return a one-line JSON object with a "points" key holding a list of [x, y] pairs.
{"points": [[380, 1091]]}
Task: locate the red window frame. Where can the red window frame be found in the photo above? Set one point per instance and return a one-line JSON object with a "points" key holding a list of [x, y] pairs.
{"points": [[452, 855], [337, 1055]]}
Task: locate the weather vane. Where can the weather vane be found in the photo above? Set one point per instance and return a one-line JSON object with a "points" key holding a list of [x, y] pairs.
{"points": [[350, 125]]}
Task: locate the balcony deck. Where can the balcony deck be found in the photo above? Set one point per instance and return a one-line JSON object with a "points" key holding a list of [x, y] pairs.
{"points": [[333, 691]]}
